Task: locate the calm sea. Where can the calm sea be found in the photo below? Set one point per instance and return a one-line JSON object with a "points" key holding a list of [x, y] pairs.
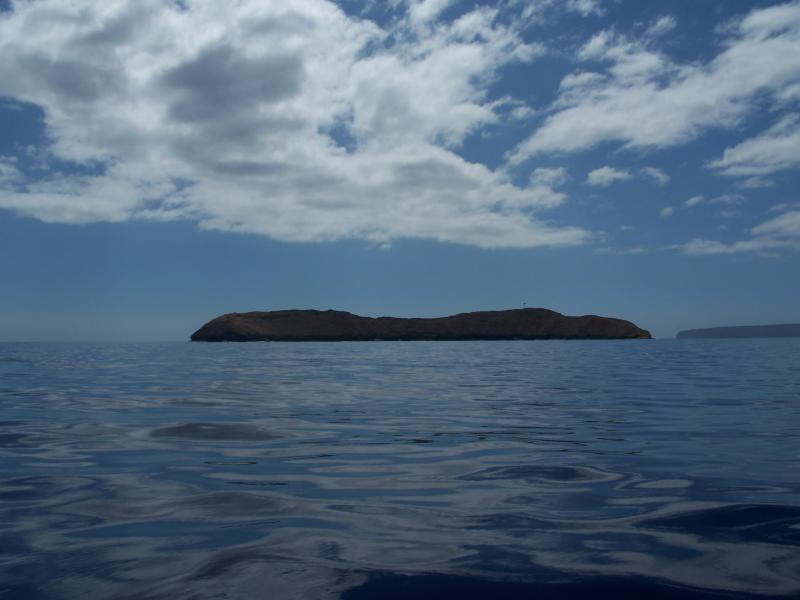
{"points": [[554, 469]]}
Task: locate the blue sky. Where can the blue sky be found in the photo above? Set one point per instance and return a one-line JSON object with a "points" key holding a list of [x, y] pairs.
{"points": [[164, 162]]}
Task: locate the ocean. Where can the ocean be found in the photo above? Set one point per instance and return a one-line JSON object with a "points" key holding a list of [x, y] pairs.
{"points": [[511, 469]]}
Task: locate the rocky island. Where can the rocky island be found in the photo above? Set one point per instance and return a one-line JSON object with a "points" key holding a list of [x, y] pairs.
{"points": [[743, 331], [334, 325]]}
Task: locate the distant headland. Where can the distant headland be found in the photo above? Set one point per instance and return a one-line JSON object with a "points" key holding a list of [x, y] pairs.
{"points": [[334, 325], [744, 331]]}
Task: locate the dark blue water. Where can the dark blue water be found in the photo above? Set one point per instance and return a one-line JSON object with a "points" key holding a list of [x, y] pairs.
{"points": [[628, 469]]}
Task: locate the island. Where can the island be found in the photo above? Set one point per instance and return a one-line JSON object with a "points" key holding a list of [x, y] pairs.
{"points": [[743, 331], [334, 325]]}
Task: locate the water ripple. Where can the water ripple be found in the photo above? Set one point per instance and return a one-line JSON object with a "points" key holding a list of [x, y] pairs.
{"points": [[363, 470]]}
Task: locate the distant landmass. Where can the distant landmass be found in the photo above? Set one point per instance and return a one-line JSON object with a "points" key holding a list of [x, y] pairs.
{"points": [[334, 325], [745, 331]]}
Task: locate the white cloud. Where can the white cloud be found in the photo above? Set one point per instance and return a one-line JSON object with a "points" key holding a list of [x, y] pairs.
{"points": [[425, 11], [534, 12], [667, 211], [753, 183], [790, 93], [621, 251], [785, 225], [635, 95], [776, 149], [605, 176], [290, 120], [779, 233], [783, 206], [585, 7], [661, 26], [694, 201], [724, 199], [701, 247], [9, 174], [551, 177], [727, 199], [658, 175]]}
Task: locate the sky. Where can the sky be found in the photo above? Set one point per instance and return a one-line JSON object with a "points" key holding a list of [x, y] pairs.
{"points": [[166, 161]]}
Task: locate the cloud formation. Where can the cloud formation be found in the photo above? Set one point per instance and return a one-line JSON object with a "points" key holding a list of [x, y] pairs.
{"points": [[777, 149], [308, 123], [633, 94], [605, 176], [657, 175], [786, 225], [779, 233], [291, 120]]}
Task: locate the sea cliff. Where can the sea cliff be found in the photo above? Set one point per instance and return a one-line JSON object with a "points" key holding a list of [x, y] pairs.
{"points": [[333, 325]]}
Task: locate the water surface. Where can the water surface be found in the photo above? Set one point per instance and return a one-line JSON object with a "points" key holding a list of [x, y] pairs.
{"points": [[515, 469]]}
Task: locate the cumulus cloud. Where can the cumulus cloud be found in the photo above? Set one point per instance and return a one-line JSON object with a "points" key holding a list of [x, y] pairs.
{"points": [[424, 11], [291, 120], [667, 211], [631, 93], [605, 176], [656, 174], [776, 149], [550, 177]]}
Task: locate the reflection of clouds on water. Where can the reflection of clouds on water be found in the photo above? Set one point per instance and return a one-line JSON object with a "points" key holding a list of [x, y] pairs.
{"points": [[195, 470]]}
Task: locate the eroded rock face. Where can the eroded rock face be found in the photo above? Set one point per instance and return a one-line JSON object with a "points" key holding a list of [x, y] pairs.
{"points": [[333, 325]]}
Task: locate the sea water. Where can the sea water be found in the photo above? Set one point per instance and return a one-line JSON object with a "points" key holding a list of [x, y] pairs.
{"points": [[513, 469]]}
